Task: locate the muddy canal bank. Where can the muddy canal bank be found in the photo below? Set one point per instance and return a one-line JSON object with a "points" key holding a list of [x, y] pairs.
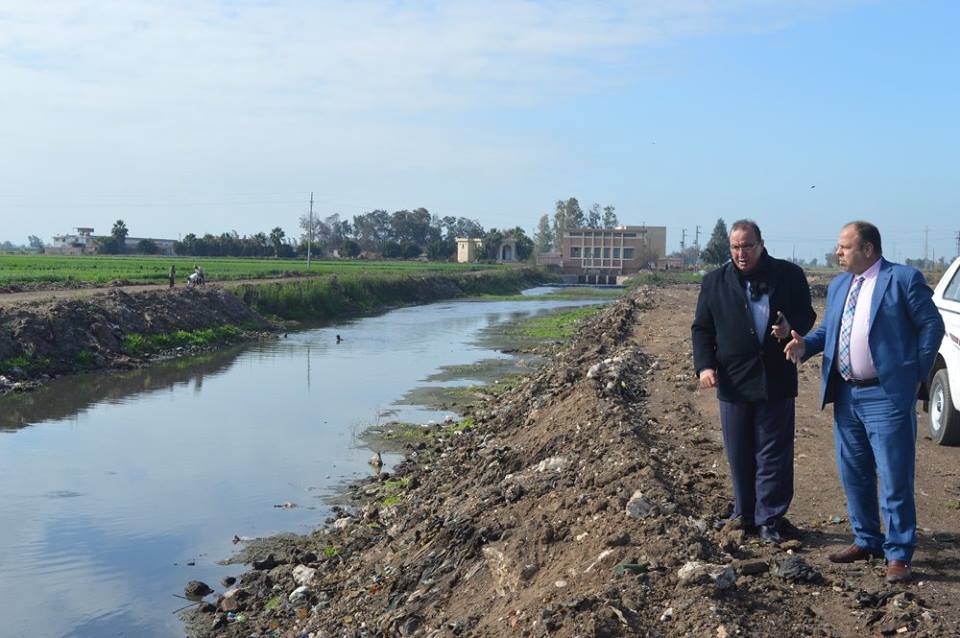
{"points": [[587, 500], [40, 341]]}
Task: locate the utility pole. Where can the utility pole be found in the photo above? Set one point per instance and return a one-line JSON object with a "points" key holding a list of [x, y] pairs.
{"points": [[683, 246], [697, 244], [926, 234], [957, 252], [310, 231]]}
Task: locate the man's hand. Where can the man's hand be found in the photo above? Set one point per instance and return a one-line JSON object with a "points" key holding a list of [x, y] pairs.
{"points": [[795, 350], [781, 329], [708, 378]]}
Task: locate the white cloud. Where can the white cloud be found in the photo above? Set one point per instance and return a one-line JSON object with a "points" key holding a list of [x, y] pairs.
{"points": [[379, 103], [250, 57]]}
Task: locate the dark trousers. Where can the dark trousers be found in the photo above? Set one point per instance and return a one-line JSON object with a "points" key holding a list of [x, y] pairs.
{"points": [[758, 438]]}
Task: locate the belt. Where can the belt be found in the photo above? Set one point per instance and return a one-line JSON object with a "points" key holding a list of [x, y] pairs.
{"points": [[863, 383]]}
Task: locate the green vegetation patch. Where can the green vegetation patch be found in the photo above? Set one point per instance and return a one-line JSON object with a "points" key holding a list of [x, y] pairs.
{"points": [[31, 365], [396, 435], [393, 490], [85, 360], [455, 398], [138, 344], [663, 278], [366, 292], [484, 370], [396, 485], [557, 325], [273, 603]]}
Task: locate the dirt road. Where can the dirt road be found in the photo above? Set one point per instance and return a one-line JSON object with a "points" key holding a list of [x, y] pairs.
{"points": [[50, 294], [819, 498]]}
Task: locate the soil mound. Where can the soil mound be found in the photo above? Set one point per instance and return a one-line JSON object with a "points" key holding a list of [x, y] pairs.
{"points": [[40, 340]]}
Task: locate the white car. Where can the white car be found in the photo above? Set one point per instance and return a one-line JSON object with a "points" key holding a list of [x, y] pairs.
{"points": [[944, 382]]}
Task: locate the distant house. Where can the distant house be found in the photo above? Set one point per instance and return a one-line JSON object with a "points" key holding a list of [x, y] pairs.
{"points": [[84, 242], [670, 263], [76, 244], [470, 249], [164, 246], [606, 255]]}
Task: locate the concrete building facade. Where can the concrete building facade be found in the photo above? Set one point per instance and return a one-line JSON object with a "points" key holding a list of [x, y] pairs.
{"points": [[468, 250], [605, 255]]}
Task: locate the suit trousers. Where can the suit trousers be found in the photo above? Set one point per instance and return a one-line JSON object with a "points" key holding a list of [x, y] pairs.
{"points": [[874, 439], [758, 437]]}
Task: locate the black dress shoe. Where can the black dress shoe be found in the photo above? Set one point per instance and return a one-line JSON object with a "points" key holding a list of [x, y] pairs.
{"points": [[788, 529], [769, 535]]}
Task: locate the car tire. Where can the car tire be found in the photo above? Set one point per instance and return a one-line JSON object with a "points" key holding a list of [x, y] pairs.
{"points": [[944, 418]]}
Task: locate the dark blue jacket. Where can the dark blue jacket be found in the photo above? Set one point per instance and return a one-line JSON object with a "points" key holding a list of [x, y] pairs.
{"points": [[724, 336]]}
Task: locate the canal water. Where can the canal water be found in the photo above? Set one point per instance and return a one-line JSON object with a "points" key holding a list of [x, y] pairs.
{"points": [[117, 489]]}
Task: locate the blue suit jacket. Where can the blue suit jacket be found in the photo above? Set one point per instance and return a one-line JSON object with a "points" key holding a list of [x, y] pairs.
{"points": [[905, 332]]}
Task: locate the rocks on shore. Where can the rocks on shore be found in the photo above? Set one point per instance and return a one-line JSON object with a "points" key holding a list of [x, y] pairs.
{"points": [[568, 509]]}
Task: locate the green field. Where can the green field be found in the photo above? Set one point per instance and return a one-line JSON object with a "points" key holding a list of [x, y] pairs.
{"points": [[21, 269]]}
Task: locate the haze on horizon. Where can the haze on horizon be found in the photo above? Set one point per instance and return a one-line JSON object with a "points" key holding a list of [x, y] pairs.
{"points": [[209, 116]]}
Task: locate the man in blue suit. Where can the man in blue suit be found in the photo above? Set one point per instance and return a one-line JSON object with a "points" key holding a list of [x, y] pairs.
{"points": [[879, 338]]}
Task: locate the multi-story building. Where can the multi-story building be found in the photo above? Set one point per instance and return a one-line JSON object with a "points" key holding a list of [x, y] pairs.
{"points": [[602, 255], [84, 243]]}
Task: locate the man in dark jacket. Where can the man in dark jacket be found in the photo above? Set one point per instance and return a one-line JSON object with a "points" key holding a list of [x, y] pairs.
{"points": [[745, 312]]}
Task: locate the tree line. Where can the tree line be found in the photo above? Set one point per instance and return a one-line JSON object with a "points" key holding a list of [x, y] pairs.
{"points": [[403, 234], [33, 245], [568, 215]]}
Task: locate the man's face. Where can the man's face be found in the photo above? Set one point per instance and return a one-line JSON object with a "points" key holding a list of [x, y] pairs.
{"points": [[851, 256], [745, 249]]}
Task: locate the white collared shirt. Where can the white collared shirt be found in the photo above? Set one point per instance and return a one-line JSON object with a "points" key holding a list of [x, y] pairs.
{"points": [[861, 361]]}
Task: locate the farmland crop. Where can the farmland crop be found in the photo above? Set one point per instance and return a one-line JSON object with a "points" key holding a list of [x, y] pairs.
{"points": [[22, 269]]}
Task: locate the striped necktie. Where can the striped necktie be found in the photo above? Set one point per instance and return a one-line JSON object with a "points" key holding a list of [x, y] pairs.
{"points": [[846, 328]]}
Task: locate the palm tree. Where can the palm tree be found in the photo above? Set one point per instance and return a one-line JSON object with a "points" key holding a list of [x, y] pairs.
{"points": [[119, 234], [276, 238]]}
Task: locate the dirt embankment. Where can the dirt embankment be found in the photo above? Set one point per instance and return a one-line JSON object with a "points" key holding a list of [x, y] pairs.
{"points": [[83, 330], [41, 340], [588, 501]]}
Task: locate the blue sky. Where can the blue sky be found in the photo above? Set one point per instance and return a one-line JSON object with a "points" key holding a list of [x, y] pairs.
{"points": [[213, 116]]}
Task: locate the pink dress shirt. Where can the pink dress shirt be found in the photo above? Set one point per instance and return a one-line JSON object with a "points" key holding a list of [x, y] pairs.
{"points": [[861, 361]]}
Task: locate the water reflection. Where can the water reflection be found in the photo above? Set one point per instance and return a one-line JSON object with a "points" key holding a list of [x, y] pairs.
{"points": [[64, 398]]}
